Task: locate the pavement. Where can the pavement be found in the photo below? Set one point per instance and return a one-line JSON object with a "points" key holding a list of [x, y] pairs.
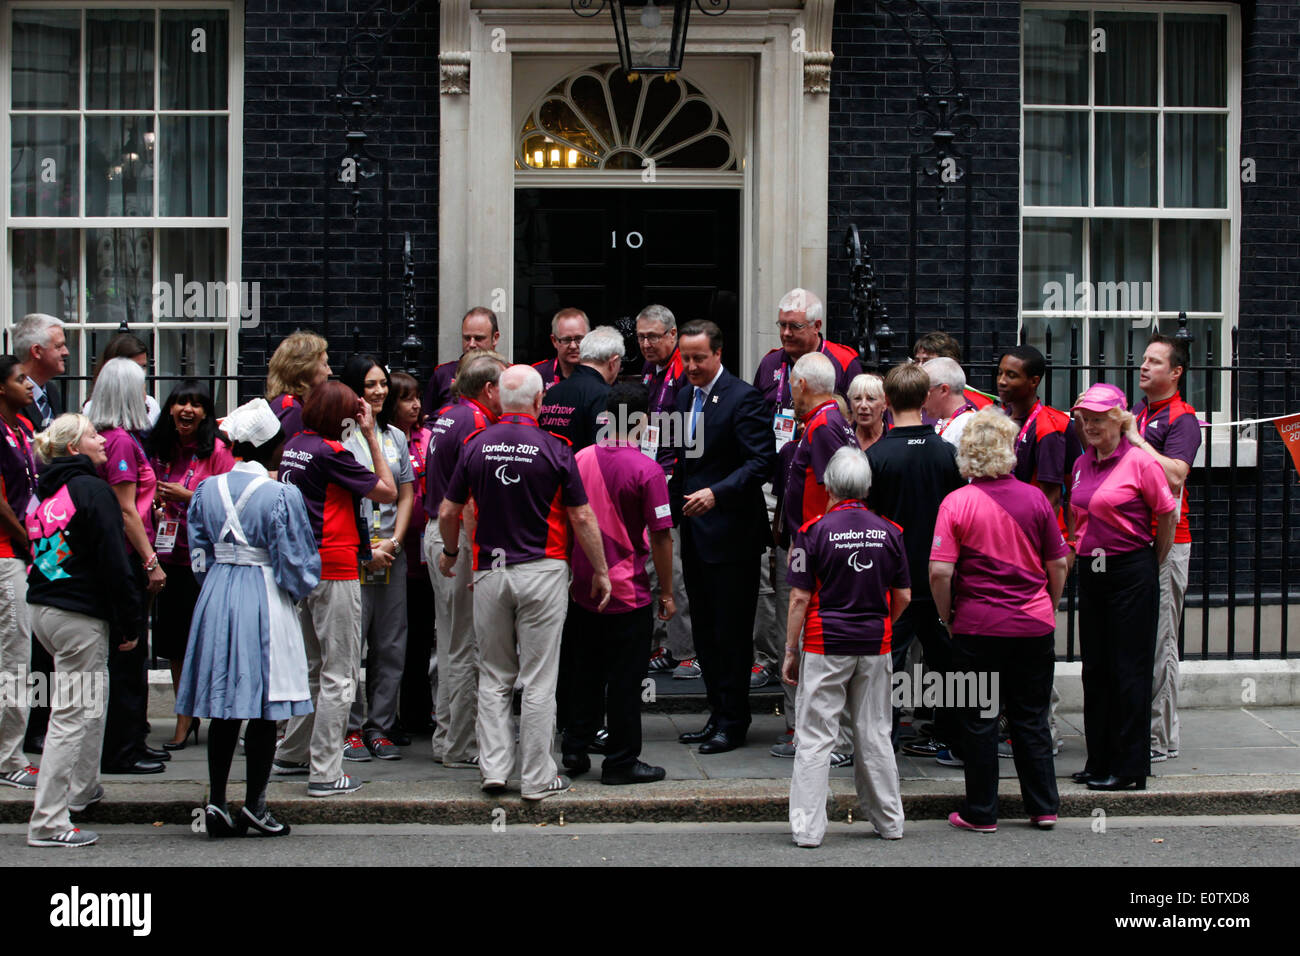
{"points": [[1233, 761]]}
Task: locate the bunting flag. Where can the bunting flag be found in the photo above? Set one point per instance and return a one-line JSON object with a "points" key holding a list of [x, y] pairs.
{"points": [[1288, 427]]}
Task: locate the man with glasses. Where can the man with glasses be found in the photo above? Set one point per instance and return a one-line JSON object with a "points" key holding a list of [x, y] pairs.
{"points": [[572, 406], [478, 330], [568, 326]]}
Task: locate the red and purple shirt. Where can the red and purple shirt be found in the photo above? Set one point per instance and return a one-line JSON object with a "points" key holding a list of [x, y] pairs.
{"points": [[438, 393], [1046, 446], [332, 483], [448, 428], [824, 433], [848, 559], [549, 369], [1171, 426], [663, 382], [288, 408], [17, 479], [1000, 533], [1115, 501], [188, 469], [417, 447], [773, 376], [128, 463], [629, 495], [522, 479]]}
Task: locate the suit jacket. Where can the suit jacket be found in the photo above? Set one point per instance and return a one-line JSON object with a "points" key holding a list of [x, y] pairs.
{"points": [[735, 454], [53, 396]]}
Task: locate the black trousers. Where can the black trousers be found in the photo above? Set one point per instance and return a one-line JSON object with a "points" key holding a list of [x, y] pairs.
{"points": [[1024, 667], [723, 600], [1119, 607], [608, 666], [920, 621], [128, 690], [416, 704]]}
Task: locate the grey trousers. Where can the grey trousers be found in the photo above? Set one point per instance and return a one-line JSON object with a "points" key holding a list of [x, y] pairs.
{"points": [[15, 656], [673, 636], [824, 684], [519, 614], [331, 631], [383, 633], [1164, 683], [456, 701], [69, 770]]}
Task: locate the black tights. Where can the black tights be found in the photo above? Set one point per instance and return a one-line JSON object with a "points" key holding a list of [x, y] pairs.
{"points": [[259, 750]]}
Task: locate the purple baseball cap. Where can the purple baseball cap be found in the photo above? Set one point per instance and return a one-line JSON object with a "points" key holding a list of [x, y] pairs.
{"points": [[1101, 397]]}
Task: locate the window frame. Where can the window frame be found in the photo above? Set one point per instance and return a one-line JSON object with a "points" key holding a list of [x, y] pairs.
{"points": [[231, 222]]}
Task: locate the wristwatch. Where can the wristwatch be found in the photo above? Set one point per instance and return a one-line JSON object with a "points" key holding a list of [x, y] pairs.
{"points": [[397, 546]]}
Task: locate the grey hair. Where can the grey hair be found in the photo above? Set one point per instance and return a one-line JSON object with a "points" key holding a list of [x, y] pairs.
{"points": [[520, 385], [118, 399], [801, 300], [944, 371], [848, 474], [568, 313], [34, 329], [601, 344], [816, 372], [658, 313], [869, 384]]}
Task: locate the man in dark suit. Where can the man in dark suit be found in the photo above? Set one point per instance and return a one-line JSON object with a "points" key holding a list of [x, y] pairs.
{"points": [[725, 453], [38, 342]]}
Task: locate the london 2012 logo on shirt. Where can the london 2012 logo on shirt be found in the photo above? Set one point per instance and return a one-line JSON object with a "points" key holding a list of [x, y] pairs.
{"points": [[121, 465], [504, 476], [855, 562]]}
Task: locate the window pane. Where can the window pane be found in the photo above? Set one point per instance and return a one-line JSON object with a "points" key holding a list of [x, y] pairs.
{"points": [[1126, 172], [1115, 341], [1196, 151], [1191, 265], [45, 272], [1126, 72], [119, 54], [1120, 264], [1205, 332], [1053, 262], [1055, 388], [1056, 158], [193, 354], [119, 273], [192, 169], [46, 59], [1196, 72], [195, 55], [1056, 56], [192, 266], [44, 163], [119, 165]]}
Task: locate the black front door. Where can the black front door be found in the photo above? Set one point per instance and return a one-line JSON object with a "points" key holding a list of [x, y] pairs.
{"points": [[611, 252]]}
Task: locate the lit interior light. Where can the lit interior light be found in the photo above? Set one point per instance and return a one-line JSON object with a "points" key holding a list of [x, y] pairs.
{"points": [[537, 158], [555, 156], [573, 158]]}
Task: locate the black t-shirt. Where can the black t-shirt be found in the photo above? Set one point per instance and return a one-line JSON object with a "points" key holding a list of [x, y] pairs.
{"points": [[570, 407], [912, 471]]}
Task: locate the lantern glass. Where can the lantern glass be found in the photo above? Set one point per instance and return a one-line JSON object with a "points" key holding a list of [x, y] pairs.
{"points": [[651, 35]]}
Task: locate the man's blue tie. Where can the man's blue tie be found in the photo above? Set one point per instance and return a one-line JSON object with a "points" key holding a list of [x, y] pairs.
{"points": [[696, 409], [43, 406]]}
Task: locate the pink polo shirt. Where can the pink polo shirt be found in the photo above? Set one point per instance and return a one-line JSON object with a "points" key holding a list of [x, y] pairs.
{"points": [[1113, 501], [1000, 533]]}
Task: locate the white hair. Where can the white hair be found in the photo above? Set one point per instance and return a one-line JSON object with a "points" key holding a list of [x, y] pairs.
{"points": [[868, 384], [944, 371], [118, 399], [660, 314], [34, 329], [520, 385], [601, 344], [801, 300], [848, 474], [816, 372]]}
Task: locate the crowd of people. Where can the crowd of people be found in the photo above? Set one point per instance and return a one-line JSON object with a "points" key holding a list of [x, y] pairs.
{"points": [[569, 527]]}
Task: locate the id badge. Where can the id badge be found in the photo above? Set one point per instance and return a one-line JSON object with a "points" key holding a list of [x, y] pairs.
{"points": [[650, 442], [375, 577], [165, 543], [783, 426]]}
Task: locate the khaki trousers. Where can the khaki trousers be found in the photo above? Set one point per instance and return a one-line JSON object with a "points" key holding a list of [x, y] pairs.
{"points": [[456, 705], [519, 615], [331, 632], [15, 656], [69, 771], [1164, 682]]}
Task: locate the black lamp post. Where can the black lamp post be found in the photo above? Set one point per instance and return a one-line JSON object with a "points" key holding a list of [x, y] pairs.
{"points": [[651, 36]]}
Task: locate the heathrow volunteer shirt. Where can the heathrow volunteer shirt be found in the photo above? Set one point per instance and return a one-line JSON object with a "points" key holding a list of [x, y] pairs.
{"points": [[288, 408], [332, 483], [522, 479], [824, 433], [773, 376], [1114, 501], [1000, 533], [628, 493], [848, 559], [448, 429], [572, 407], [17, 479], [1170, 425]]}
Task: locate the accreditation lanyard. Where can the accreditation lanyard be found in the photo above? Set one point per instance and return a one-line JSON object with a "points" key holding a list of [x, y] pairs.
{"points": [[185, 482], [1024, 429], [664, 387], [781, 376], [1150, 411], [18, 439], [963, 411]]}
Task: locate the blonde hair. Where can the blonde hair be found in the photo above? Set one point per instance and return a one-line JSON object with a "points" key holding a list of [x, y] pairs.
{"points": [[294, 364], [987, 447], [65, 430]]}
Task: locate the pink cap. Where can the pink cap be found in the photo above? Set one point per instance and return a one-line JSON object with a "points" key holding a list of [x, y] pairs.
{"points": [[1102, 397]]}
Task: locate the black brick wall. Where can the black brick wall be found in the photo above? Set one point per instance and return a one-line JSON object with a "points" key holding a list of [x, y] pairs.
{"points": [[293, 50]]}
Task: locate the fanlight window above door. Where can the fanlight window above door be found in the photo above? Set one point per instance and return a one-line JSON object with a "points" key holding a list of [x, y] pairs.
{"points": [[596, 119]]}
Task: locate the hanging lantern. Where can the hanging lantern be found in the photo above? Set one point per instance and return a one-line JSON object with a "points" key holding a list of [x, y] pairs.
{"points": [[651, 35]]}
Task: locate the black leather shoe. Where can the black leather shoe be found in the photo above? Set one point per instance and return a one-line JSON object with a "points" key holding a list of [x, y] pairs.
{"points": [[400, 739], [151, 753], [1083, 776], [1113, 782], [639, 772], [140, 766], [575, 764], [698, 736], [720, 743]]}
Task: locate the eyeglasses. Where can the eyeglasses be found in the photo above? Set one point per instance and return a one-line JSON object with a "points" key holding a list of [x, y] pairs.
{"points": [[792, 326], [571, 340], [650, 338]]}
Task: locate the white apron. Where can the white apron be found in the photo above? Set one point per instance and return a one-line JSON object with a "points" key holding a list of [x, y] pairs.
{"points": [[288, 679]]}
